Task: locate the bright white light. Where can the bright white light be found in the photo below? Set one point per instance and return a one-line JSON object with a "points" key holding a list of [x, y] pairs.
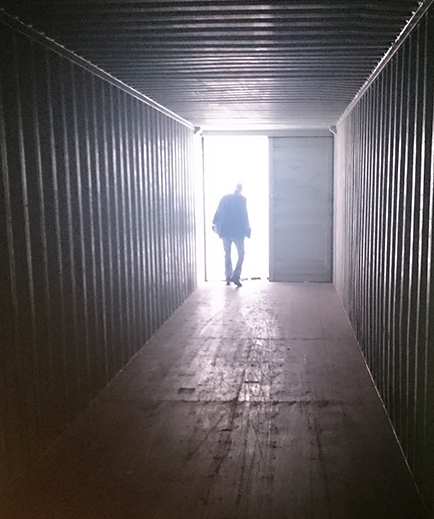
{"points": [[227, 162]]}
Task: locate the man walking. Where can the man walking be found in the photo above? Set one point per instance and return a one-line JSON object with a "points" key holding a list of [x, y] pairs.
{"points": [[231, 223]]}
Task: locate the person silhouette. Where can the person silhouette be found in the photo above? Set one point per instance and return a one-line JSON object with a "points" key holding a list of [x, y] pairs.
{"points": [[231, 223]]}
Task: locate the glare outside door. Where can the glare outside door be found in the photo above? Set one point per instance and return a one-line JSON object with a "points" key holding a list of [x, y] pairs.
{"points": [[229, 160]]}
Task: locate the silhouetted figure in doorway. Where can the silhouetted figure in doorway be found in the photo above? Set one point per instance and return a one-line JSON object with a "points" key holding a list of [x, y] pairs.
{"points": [[231, 223]]}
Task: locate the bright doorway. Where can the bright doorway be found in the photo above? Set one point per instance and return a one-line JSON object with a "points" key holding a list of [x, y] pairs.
{"points": [[230, 160]]}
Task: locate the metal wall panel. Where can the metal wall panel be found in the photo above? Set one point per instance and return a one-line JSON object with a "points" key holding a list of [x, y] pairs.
{"points": [[301, 207], [97, 237], [383, 244]]}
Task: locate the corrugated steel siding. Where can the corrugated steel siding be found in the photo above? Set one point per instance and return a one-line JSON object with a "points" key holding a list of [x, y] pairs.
{"points": [[97, 238], [231, 64], [383, 248]]}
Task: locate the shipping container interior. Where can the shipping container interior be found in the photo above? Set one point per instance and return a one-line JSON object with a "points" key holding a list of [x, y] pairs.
{"points": [[122, 124]]}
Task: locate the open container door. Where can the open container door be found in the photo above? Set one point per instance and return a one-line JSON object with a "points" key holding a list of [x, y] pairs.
{"points": [[301, 208]]}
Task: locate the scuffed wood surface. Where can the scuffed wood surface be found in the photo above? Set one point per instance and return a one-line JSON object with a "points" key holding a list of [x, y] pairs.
{"points": [[249, 403]]}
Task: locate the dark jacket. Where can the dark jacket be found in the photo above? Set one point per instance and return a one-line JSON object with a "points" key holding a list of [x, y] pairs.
{"points": [[231, 219]]}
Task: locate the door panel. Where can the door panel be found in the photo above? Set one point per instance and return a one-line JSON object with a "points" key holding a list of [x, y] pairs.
{"points": [[301, 170]]}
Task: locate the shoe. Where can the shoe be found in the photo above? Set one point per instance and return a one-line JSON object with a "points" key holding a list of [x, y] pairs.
{"points": [[228, 282], [236, 281]]}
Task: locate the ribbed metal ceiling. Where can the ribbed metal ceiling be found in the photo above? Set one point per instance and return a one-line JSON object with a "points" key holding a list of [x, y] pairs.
{"points": [[230, 64]]}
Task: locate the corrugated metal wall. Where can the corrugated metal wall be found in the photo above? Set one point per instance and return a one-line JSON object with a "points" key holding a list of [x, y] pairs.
{"points": [[383, 248], [97, 237]]}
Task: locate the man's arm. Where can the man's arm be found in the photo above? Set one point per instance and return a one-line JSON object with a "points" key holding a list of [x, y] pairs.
{"points": [[248, 231], [216, 221]]}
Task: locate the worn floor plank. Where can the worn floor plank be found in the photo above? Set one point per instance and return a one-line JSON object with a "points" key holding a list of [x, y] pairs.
{"points": [[249, 403]]}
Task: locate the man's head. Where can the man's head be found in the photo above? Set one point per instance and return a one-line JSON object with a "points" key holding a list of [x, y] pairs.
{"points": [[238, 189]]}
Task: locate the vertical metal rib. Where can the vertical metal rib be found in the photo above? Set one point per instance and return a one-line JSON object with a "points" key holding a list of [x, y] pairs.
{"points": [[388, 186], [91, 265]]}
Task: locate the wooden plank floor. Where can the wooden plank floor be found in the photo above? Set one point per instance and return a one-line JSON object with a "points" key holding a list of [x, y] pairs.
{"points": [[249, 403]]}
